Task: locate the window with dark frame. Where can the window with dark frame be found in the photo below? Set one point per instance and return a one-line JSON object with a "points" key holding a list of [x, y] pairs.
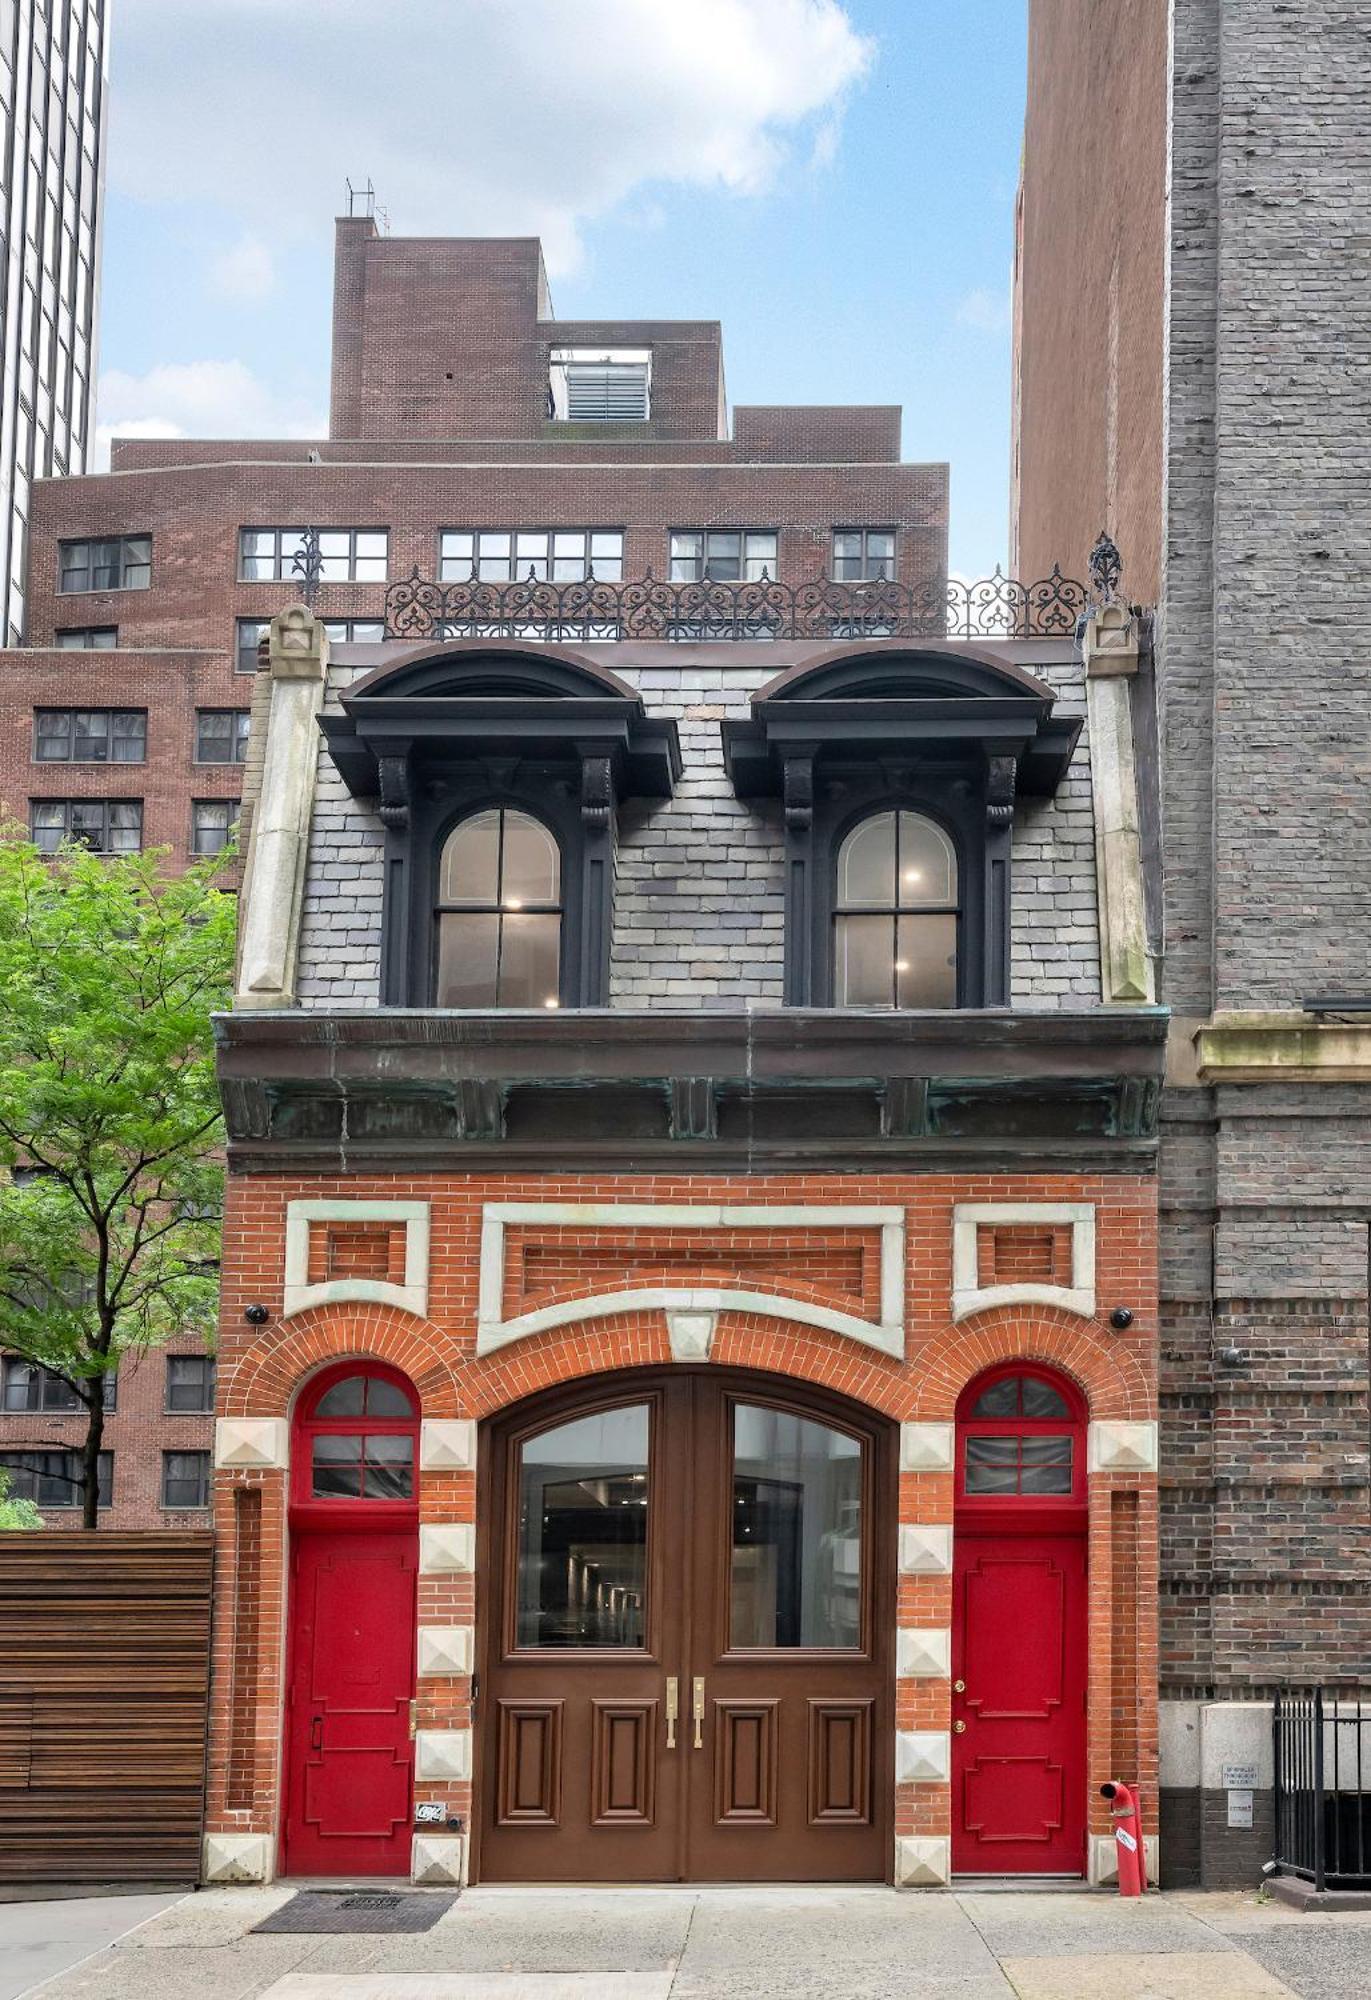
{"points": [[503, 555], [723, 555], [88, 638], [121, 562], [347, 555], [105, 826], [499, 913], [52, 1479], [354, 631], [863, 555], [249, 633], [27, 1387], [213, 823], [190, 1385], [221, 735], [895, 914], [185, 1480], [90, 735]]}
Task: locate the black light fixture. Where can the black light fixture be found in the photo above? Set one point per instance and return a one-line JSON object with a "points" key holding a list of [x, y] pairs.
{"points": [[1121, 1318], [256, 1315]]}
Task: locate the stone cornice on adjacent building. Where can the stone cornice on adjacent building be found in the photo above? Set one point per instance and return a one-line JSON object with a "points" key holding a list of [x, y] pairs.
{"points": [[1282, 1045]]}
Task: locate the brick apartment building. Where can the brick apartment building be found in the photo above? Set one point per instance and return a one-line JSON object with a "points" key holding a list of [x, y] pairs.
{"points": [[687, 1354], [1193, 347]]}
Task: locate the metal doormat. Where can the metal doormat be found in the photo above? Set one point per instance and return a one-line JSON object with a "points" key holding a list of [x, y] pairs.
{"points": [[330, 1912]]}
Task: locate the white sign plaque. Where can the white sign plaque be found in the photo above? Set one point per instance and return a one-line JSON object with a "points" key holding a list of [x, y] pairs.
{"points": [[1243, 1777], [1240, 1807]]}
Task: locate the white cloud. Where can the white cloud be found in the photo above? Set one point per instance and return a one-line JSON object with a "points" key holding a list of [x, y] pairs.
{"points": [[984, 310], [473, 116], [245, 272], [218, 399]]}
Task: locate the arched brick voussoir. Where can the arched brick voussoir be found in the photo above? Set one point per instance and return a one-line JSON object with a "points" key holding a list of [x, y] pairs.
{"points": [[1111, 1374], [266, 1376], [777, 1346]]}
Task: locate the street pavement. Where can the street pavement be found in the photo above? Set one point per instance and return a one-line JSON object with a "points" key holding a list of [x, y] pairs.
{"points": [[732, 1944], [40, 1939]]}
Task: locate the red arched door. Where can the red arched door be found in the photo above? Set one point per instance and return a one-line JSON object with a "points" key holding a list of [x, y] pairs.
{"points": [[354, 1526], [1019, 1626]]}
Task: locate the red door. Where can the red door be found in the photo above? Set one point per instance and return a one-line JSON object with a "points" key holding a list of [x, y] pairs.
{"points": [[348, 1795], [1019, 1780], [348, 1756]]}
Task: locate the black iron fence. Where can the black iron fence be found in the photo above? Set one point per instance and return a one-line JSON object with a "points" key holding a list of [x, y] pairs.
{"points": [[536, 607], [1323, 1785]]}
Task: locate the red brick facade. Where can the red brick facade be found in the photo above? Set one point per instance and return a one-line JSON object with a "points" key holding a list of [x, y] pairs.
{"points": [[262, 1370]]}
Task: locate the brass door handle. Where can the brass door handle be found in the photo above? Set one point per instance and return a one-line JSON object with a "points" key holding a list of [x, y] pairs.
{"points": [[959, 1728], [673, 1709], [698, 1709]]}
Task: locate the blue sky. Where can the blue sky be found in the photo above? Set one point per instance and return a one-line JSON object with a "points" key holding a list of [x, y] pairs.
{"points": [[834, 179]]}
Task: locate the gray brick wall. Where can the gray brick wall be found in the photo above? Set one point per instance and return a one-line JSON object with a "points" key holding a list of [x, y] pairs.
{"points": [[699, 894]]}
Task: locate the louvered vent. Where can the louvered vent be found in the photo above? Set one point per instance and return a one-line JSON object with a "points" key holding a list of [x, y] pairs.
{"points": [[608, 392]]}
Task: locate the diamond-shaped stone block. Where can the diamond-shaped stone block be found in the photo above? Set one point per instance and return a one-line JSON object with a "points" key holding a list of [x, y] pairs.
{"points": [[922, 1862], [252, 1444], [442, 1753], [922, 1756], [447, 1444], [447, 1547], [925, 1550], [235, 1857], [691, 1334], [445, 1649], [1122, 1447], [926, 1447], [923, 1653], [437, 1859]]}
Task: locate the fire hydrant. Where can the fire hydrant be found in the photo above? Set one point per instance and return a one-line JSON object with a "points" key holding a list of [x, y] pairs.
{"points": [[1123, 1807]]}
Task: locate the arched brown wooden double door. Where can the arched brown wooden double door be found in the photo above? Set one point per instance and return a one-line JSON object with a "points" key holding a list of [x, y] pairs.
{"points": [[688, 1596]]}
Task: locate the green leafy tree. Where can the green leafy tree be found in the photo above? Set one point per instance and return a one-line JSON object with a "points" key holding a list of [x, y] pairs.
{"points": [[16, 1513], [109, 1115]]}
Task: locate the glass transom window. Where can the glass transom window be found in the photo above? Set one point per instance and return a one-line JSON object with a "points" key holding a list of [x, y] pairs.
{"points": [[895, 914], [499, 913]]}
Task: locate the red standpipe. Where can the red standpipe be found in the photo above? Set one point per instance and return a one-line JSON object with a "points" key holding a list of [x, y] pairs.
{"points": [[1128, 1840]]}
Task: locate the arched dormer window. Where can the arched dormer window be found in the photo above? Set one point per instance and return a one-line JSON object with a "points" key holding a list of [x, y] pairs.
{"points": [[499, 913], [896, 914], [894, 760], [497, 769]]}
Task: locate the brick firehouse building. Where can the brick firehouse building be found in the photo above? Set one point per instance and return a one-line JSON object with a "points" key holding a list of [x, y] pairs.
{"points": [[687, 1380]]}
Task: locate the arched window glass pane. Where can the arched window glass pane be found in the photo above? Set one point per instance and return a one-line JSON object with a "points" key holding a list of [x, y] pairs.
{"points": [[1001, 1399], [866, 863], [1021, 1396], [583, 1515], [895, 921], [387, 1399], [344, 1399], [532, 863], [499, 921], [927, 864], [471, 862], [1040, 1399], [797, 1532]]}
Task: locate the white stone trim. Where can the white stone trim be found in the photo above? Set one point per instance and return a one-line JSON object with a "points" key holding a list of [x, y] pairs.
{"points": [[886, 1335], [922, 1861], [447, 1548], [923, 1757], [438, 1860], [925, 1549], [447, 1444], [445, 1650], [970, 1296], [923, 1653], [1121, 1447], [411, 1296], [691, 1334], [442, 1753], [235, 1857], [252, 1444], [927, 1447]]}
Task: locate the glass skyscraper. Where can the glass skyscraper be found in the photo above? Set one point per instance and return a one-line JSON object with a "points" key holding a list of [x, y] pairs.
{"points": [[53, 87]]}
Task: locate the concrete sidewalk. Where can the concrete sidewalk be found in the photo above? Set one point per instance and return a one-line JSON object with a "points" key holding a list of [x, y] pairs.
{"points": [[748, 1944]]}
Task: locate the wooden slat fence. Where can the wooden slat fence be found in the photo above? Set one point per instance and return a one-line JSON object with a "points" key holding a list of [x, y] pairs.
{"points": [[104, 1682]]}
